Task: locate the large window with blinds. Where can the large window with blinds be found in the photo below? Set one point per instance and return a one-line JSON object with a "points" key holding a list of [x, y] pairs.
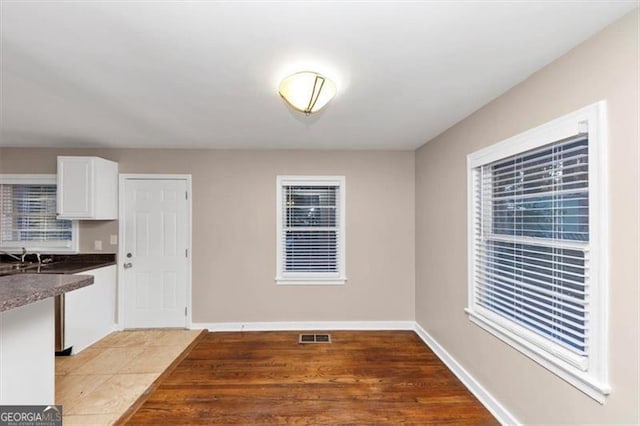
{"points": [[537, 250], [310, 230], [28, 216]]}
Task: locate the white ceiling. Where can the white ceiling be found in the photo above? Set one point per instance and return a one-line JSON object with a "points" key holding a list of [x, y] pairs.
{"points": [[205, 74]]}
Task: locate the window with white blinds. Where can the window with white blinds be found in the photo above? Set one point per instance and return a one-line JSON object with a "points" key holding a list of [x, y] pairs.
{"points": [[536, 241], [310, 230], [28, 215], [533, 239]]}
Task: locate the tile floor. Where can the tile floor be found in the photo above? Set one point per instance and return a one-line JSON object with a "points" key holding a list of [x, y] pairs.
{"points": [[96, 386]]}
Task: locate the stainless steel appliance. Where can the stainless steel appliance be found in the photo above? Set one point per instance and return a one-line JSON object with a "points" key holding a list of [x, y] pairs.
{"points": [[59, 327]]}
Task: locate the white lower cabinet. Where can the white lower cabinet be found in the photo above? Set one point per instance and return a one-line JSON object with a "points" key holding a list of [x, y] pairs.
{"points": [[90, 312], [26, 355]]}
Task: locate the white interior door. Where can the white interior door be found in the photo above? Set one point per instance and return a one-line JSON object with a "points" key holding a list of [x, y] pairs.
{"points": [[155, 252]]}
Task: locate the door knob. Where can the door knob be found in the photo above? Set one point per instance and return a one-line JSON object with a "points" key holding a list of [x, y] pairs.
{"points": [[128, 265]]}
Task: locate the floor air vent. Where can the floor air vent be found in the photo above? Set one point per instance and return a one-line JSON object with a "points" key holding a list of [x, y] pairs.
{"points": [[314, 338]]}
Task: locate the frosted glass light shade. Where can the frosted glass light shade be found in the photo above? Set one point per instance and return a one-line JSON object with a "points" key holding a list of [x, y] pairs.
{"points": [[307, 91]]}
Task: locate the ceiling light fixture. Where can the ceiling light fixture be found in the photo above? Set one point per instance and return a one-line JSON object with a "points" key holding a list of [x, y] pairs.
{"points": [[307, 91]]}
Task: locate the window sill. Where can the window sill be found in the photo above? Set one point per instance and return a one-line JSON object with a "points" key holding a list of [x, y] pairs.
{"points": [[579, 379], [310, 281], [48, 249]]}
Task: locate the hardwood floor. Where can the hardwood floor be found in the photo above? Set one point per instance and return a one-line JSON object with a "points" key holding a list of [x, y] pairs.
{"points": [[364, 377]]}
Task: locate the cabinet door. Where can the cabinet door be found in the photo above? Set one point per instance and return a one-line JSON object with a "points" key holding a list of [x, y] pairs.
{"points": [[90, 311], [75, 187]]}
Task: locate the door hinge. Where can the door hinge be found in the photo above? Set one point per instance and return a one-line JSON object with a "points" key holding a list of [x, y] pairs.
{"points": [[185, 311], [186, 252], [186, 195]]}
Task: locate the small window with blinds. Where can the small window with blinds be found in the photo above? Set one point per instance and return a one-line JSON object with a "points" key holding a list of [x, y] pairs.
{"points": [[28, 216], [537, 278], [310, 226]]}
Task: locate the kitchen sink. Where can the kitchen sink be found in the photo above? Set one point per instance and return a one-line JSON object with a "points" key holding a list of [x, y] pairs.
{"points": [[13, 268]]}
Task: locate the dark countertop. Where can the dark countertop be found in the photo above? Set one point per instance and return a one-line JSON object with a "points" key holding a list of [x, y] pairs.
{"points": [[32, 282], [22, 289], [65, 264], [67, 268]]}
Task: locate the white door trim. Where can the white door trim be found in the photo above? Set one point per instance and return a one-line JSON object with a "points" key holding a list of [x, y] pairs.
{"points": [[121, 214]]}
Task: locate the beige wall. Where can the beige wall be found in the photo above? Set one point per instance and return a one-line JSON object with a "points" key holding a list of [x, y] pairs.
{"points": [[604, 67], [234, 238]]}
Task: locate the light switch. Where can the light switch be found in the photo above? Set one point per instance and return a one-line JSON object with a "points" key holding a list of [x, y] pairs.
{"points": [[97, 244], [114, 240]]}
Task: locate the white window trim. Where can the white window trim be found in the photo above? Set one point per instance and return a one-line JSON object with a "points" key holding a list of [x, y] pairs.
{"points": [[73, 246], [590, 375], [310, 278]]}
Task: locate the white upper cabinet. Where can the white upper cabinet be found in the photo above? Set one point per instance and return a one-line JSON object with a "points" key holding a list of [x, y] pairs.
{"points": [[87, 188]]}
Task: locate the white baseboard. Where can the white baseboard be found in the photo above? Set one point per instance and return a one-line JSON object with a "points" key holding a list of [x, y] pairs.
{"points": [[492, 404], [307, 325]]}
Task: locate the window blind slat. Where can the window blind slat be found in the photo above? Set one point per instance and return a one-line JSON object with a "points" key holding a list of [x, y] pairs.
{"points": [[539, 195]]}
